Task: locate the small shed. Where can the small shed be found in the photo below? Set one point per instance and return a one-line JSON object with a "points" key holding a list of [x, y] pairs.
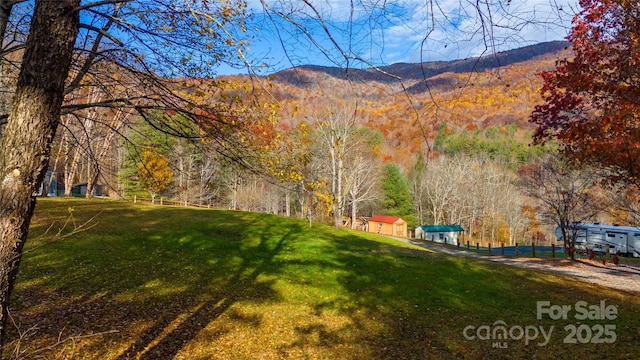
{"points": [[446, 234], [387, 225], [81, 189]]}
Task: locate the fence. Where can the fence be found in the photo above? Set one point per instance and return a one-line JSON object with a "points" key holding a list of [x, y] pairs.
{"points": [[165, 202], [553, 251]]}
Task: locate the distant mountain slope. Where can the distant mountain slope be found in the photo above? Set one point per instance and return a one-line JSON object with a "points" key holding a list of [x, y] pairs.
{"points": [[406, 71], [496, 90]]}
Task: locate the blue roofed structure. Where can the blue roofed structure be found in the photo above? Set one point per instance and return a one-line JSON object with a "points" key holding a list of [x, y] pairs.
{"points": [[446, 234]]}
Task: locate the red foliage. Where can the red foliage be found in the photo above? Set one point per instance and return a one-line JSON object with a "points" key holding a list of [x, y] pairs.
{"points": [[592, 102], [538, 237]]}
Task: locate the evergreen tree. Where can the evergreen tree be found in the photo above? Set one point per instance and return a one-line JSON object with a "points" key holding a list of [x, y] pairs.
{"points": [[141, 138], [398, 200]]}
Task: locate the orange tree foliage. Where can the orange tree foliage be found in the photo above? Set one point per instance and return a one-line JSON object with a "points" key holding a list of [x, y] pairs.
{"points": [[592, 102], [155, 173], [530, 215], [242, 125]]}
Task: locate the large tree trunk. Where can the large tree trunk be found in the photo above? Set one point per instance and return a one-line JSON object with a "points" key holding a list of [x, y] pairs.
{"points": [[27, 138], [6, 6]]}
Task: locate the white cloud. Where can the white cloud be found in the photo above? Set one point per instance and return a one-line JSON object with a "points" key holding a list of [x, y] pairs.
{"points": [[413, 30], [459, 29]]}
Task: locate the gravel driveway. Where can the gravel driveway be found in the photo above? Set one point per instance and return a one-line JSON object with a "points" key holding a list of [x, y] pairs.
{"points": [[622, 277]]}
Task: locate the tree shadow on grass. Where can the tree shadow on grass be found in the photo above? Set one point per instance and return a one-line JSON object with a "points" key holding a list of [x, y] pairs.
{"points": [[360, 299], [408, 304], [241, 287], [203, 270]]}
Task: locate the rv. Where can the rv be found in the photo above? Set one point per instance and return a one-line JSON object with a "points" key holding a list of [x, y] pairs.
{"points": [[625, 239]]}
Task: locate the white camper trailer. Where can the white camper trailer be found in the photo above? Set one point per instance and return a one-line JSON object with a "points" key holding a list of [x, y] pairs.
{"points": [[625, 239]]}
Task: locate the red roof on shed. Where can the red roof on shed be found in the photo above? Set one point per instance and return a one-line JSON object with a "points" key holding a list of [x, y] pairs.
{"points": [[387, 219]]}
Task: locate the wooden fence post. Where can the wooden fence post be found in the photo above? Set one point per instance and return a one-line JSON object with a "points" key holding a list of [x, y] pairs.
{"points": [[516, 249], [502, 249], [489, 249], [533, 248], [477, 246], [553, 251], [468, 245]]}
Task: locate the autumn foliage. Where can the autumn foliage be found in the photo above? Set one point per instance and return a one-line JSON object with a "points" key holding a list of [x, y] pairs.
{"points": [[592, 102], [155, 173]]}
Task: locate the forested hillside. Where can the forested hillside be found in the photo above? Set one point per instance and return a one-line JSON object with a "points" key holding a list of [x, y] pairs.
{"points": [[128, 100], [409, 103], [327, 145]]}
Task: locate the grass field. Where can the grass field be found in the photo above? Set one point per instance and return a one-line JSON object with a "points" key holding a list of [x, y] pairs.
{"points": [[159, 283]]}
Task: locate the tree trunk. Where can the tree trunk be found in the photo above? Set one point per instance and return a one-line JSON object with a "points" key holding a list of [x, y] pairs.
{"points": [[569, 243], [338, 194], [92, 179], [90, 186], [6, 6], [70, 166], [27, 138], [287, 204], [354, 212]]}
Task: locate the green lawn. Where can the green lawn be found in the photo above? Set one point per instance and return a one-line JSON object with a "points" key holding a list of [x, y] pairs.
{"points": [[160, 282]]}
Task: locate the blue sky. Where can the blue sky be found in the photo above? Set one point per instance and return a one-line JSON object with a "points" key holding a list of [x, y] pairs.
{"points": [[369, 33]]}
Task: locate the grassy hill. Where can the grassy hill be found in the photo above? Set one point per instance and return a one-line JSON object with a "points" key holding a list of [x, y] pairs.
{"points": [[159, 282]]}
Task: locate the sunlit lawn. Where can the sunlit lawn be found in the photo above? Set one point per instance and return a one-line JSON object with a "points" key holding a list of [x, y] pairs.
{"points": [[161, 282]]}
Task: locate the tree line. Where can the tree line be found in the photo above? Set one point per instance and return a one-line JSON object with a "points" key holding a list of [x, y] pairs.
{"points": [[91, 66], [331, 168]]}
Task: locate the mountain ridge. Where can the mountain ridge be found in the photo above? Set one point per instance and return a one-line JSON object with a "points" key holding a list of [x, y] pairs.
{"points": [[494, 91], [425, 70]]}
